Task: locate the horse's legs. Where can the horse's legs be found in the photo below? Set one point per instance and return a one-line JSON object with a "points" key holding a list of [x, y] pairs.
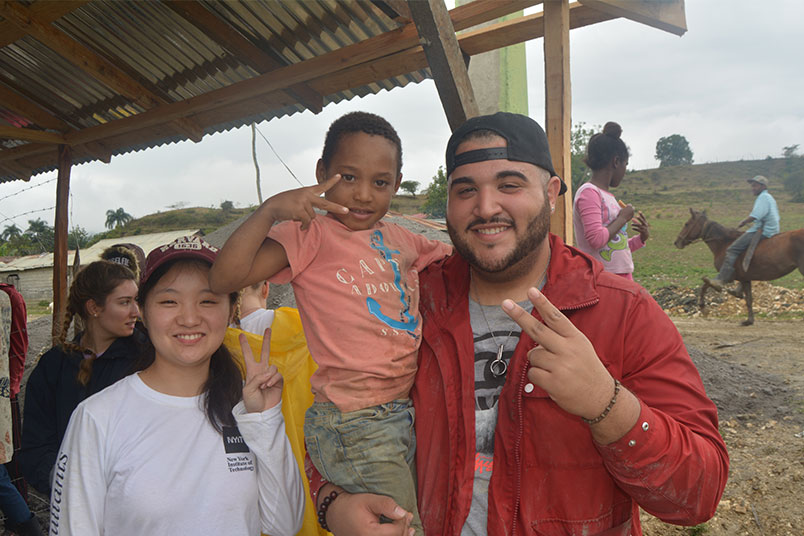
{"points": [[702, 297], [749, 302], [737, 292]]}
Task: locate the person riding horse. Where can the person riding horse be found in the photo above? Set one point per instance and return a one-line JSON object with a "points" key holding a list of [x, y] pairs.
{"points": [[765, 216]]}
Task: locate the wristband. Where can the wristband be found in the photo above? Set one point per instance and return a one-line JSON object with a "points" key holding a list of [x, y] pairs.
{"points": [[322, 510], [608, 408]]}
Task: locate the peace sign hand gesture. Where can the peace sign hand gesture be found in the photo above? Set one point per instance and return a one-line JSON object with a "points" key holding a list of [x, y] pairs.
{"points": [[299, 204], [564, 362], [262, 389]]}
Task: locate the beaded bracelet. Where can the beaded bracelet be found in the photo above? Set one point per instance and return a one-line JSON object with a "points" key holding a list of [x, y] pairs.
{"points": [[608, 408], [322, 510]]}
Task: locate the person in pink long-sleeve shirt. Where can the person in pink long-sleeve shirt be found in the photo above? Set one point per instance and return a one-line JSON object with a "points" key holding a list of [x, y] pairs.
{"points": [[600, 221]]}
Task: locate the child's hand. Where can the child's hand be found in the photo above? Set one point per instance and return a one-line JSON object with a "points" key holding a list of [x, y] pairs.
{"points": [[640, 225], [627, 213], [299, 204], [263, 387]]}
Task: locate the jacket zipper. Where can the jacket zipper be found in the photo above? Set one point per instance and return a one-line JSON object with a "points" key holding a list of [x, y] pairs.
{"points": [[521, 426]]}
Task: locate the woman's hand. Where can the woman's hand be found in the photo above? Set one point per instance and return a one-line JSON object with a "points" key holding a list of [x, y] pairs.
{"points": [[299, 204], [263, 387]]}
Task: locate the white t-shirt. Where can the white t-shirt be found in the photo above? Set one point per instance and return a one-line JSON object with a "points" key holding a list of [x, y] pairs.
{"points": [[136, 461], [257, 321]]}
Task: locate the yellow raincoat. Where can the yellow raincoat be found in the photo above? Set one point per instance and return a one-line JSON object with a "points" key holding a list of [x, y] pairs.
{"points": [[290, 355]]}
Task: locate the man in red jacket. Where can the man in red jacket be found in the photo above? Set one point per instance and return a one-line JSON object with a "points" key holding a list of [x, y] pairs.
{"points": [[564, 410]]}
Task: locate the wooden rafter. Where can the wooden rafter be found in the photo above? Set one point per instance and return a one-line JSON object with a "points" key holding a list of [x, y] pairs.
{"points": [[46, 12], [90, 62], [445, 59], [667, 15], [327, 78], [33, 112], [30, 134], [229, 39]]}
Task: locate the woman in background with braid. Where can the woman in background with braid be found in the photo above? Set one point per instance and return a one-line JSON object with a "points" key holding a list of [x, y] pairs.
{"points": [[103, 296]]}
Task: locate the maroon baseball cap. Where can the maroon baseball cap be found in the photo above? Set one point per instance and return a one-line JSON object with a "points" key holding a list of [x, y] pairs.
{"points": [[185, 247]]}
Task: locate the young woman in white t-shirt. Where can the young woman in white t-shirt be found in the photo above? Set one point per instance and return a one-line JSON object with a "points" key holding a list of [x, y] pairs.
{"points": [[183, 446]]}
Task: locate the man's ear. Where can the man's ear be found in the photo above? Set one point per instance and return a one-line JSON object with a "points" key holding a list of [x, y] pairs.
{"points": [[553, 187], [398, 182], [320, 171]]}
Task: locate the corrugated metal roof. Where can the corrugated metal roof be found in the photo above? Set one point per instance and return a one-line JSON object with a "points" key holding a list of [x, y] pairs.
{"points": [[45, 260], [171, 57]]}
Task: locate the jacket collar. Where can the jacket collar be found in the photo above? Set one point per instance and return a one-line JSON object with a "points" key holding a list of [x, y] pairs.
{"points": [[571, 279]]}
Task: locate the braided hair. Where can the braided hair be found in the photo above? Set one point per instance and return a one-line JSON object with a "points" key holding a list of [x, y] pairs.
{"points": [[96, 281]]}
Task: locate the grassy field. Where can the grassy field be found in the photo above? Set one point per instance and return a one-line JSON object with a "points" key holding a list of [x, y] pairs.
{"points": [[665, 196]]}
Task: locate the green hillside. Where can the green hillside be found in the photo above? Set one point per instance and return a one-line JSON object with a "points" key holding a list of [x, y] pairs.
{"points": [[206, 219], [665, 196]]}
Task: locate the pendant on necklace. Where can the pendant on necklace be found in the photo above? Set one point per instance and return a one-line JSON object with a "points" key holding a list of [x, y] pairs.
{"points": [[498, 367]]}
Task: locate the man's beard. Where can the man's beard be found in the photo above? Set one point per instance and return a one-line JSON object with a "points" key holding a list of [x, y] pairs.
{"points": [[535, 234]]}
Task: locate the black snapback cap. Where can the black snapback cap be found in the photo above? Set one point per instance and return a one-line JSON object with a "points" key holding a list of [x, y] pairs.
{"points": [[526, 142]]}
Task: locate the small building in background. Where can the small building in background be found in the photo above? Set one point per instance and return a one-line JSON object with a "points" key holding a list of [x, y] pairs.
{"points": [[32, 275]]}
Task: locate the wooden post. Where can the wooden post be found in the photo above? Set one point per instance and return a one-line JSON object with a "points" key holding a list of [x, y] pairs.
{"points": [[447, 65], [558, 107], [60, 245]]}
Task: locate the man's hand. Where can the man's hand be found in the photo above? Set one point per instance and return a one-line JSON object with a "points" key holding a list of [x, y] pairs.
{"points": [[299, 204], [359, 515], [563, 362]]}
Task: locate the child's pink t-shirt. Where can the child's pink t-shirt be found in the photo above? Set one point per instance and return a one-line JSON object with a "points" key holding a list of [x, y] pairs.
{"points": [[358, 298], [594, 210]]}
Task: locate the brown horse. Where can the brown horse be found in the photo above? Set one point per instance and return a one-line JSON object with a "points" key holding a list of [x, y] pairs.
{"points": [[774, 257]]}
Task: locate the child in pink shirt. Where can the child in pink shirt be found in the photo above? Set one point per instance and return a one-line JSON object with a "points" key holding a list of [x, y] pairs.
{"points": [[355, 278], [600, 221]]}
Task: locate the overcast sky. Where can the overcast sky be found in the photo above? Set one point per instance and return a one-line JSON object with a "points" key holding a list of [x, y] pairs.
{"points": [[732, 85]]}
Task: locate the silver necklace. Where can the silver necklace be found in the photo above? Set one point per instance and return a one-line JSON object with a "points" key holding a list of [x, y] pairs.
{"points": [[498, 366]]}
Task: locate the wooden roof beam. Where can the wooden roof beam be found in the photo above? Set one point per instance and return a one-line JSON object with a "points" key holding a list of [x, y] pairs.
{"points": [[89, 61], [20, 105], [667, 15], [45, 11], [503, 34], [482, 11], [230, 39], [30, 134], [14, 169], [359, 53], [397, 10], [445, 58]]}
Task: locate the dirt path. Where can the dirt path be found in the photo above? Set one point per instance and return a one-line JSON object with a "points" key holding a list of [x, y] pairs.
{"points": [[755, 375]]}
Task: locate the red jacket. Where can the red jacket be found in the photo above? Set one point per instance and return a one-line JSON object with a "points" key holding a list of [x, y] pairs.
{"points": [[549, 476]]}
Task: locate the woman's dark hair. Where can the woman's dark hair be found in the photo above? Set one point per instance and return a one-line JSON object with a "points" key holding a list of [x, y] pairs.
{"points": [[95, 281], [604, 146], [224, 386], [360, 122]]}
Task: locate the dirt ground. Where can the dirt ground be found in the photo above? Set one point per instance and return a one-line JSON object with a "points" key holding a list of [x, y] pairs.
{"points": [[754, 374]]}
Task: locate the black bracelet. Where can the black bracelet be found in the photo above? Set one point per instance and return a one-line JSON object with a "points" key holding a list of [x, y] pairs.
{"points": [[322, 510], [608, 408]]}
